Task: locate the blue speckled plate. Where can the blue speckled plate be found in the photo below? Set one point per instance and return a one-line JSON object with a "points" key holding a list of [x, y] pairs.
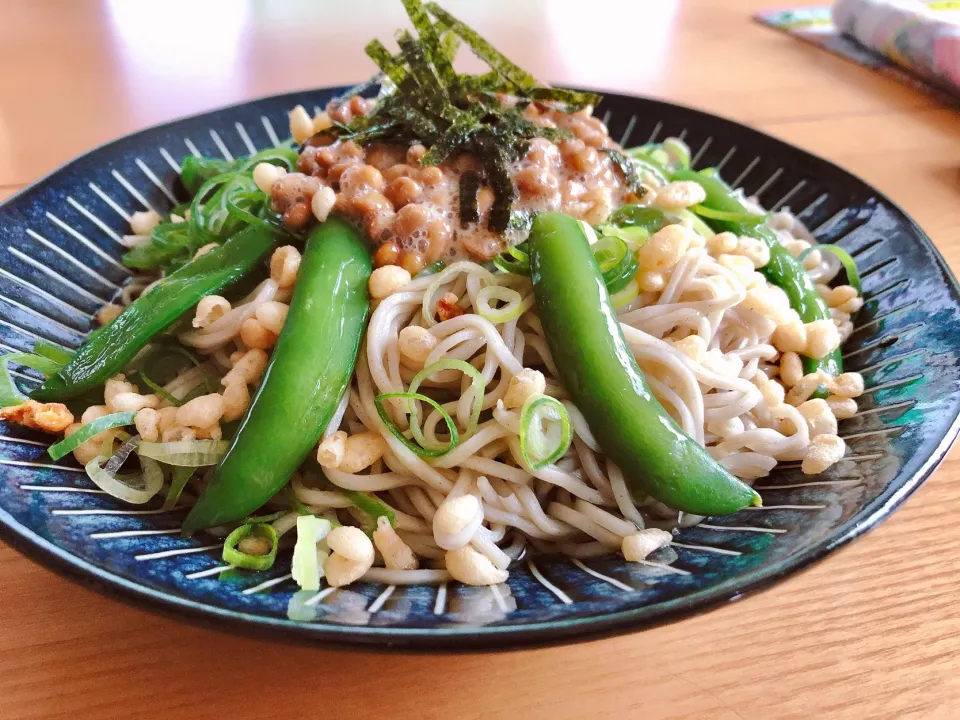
{"points": [[59, 255]]}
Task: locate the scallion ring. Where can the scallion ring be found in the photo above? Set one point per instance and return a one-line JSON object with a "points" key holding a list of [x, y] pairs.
{"points": [[609, 251], [371, 505], [628, 271], [734, 217], [158, 389], [678, 152], [95, 427], [184, 453], [511, 265], [513, 306], [849, 265], [181, 474], [626, 296], [134, 488], [476, 384], [233, 556], [430, 296], [397, 433], [634, 237], [545, 431], [52, 352]]}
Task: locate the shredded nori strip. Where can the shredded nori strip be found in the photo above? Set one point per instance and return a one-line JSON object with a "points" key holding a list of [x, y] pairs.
{"points": [[424, 100], [469, 205], [572, 99], [629, 170], [504, 190]]}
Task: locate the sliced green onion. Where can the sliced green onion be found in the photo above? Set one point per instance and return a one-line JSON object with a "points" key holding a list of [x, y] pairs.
{"points": [[134, 488], [849, 264], [511, 265], [178, 482], [628, 271], [158, 389], [430, 294], [517, 253], [193, 453], [634, 237], [107, 422], [609, 251], [239, 559], [513, 307], [677, 151], [397, 433], [40, 363], [698, 225], [733, 217], [106, 448], [371, 505], [638, 216], [431, 269], [256, 519], [476, 384], [308, 557], [647, 165], [540, 445], [284, 156], [296, 504], [626, 296], [52, 352]]}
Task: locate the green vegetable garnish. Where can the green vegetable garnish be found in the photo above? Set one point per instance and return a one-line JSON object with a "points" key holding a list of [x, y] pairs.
{"points": [[107, 422], [240, 559]]}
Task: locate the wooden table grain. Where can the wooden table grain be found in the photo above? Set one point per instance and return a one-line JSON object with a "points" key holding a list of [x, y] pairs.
{"points": [[872, 632]]}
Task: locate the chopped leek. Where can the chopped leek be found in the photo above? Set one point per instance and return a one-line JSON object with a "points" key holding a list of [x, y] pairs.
{"points": [[849, 265], [545, 431], [178, 482], [158, 389], [308, 555], [513, 306], [398, 433], [476, 385], [9, 392], [52, 352], [733, 217], [107, 422], [236, 557], [626, 296], [192, 453], [371, 505], [134, 488]]}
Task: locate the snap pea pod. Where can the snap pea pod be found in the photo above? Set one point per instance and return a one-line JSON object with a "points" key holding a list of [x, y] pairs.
{"points": [[783, 270], [112, 346], [308, 373], [603, 379]]}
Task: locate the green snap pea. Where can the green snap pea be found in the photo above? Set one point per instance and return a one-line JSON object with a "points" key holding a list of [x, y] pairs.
{"points": [[600, 373], [309, 371], [111, 347]]}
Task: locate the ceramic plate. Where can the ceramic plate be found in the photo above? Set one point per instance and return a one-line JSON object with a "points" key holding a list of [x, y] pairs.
{"points": [[59, 262]]}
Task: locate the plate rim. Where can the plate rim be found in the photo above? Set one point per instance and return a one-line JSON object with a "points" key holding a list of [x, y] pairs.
{"points": [[482, 638]]}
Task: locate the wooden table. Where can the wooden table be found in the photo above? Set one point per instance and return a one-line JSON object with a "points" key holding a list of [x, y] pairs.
{"points": [[872, 632]]}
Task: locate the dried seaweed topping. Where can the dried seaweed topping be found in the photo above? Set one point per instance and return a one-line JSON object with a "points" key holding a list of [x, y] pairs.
{"points": [[630, 173], [469, 203], [424, 100]]}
